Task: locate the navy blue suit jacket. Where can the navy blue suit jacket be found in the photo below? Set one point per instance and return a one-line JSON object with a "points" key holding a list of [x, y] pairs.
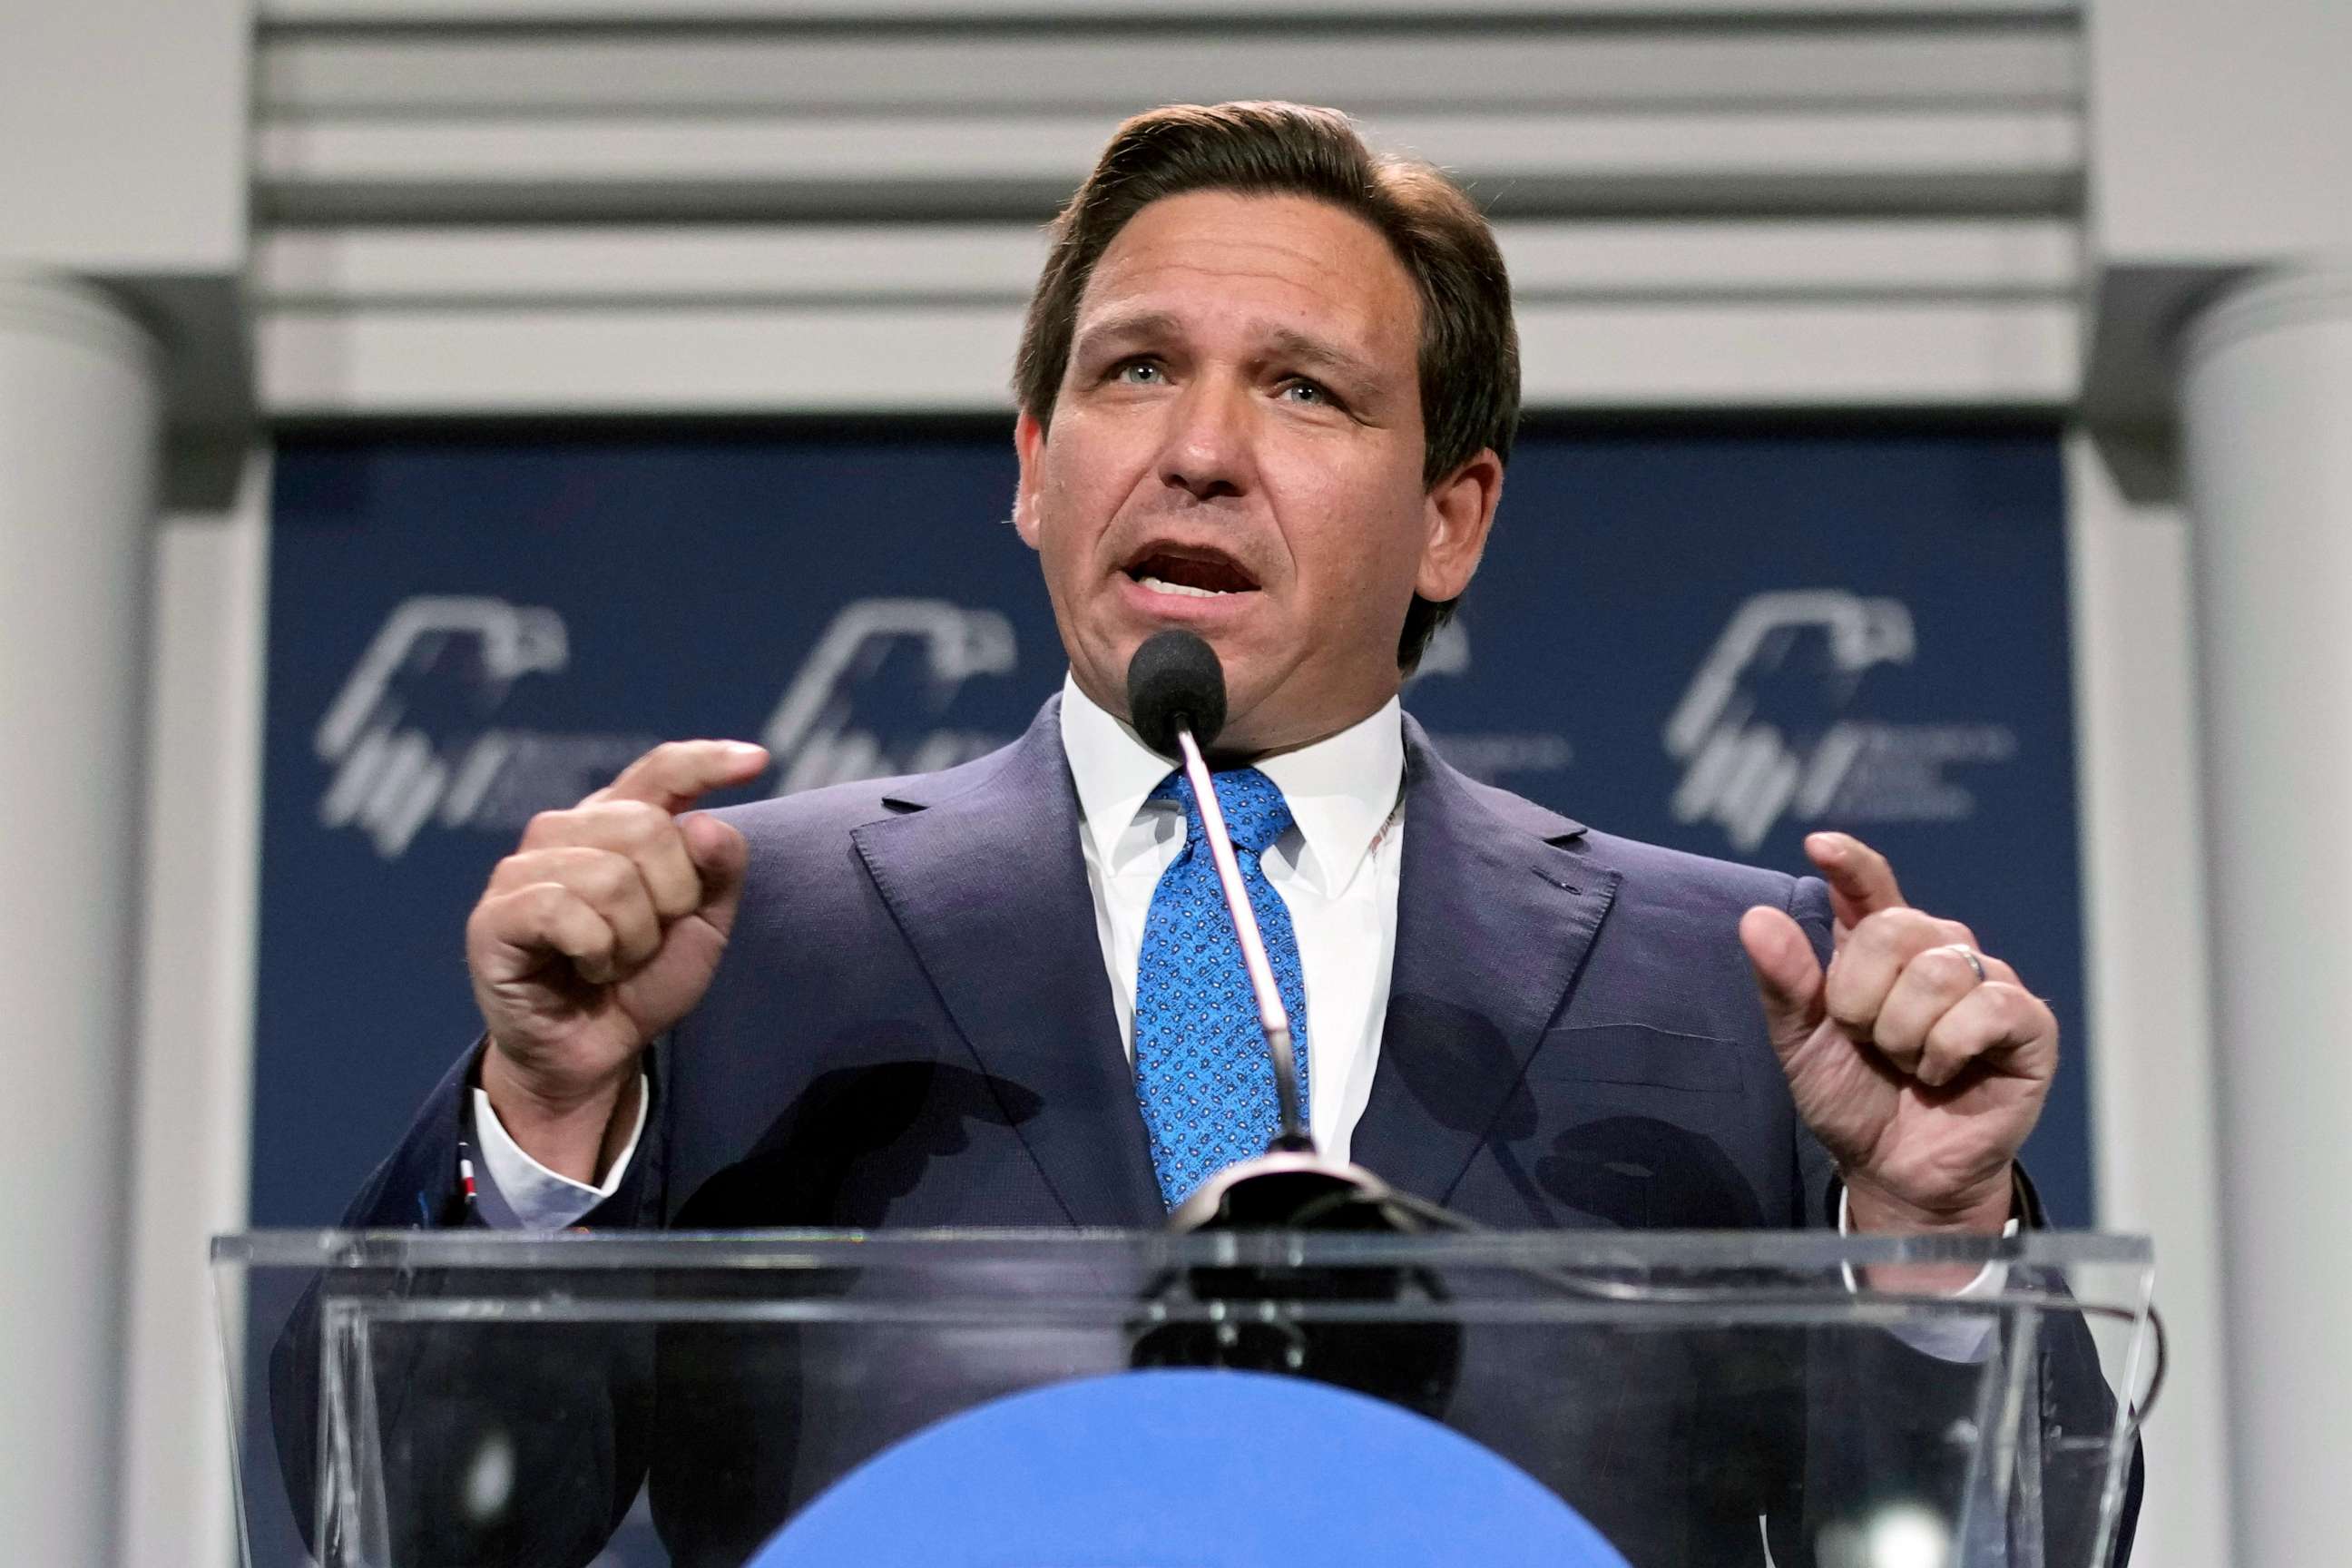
{"points": [[912, 1026]]}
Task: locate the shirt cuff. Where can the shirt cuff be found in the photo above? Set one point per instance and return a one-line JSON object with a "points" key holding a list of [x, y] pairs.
{"points": [[1953, 1338], [517, 1192]]}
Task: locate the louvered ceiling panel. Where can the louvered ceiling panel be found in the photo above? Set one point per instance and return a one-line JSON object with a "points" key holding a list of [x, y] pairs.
{"points": [[836, 176]]}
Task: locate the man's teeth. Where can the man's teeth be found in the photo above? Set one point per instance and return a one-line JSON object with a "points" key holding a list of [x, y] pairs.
{"points": [[1162, 585]]}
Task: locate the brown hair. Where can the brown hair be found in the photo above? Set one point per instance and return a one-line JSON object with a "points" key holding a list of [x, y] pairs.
{"points": [[1469, 348]]}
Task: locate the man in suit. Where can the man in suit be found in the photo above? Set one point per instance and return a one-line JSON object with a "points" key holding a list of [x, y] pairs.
{"points": [[1267, 386]]}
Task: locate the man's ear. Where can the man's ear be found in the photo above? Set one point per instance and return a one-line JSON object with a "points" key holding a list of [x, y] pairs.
{"points": [[1029, 444], [1460, 512]]}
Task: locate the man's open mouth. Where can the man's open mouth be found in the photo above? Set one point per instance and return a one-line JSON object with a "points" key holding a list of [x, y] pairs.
{"points": [[1191, 571]]}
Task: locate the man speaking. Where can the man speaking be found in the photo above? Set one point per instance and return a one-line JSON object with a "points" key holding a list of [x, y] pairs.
{"points": [[1267, 389]]}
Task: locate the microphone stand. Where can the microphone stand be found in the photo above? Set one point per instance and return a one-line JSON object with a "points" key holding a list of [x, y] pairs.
{"points": [[1272, 1016], [1291, 1185]]}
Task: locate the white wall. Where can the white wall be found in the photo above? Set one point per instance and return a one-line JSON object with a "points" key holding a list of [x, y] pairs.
{"points": [[2220, 128], [127, 123]]}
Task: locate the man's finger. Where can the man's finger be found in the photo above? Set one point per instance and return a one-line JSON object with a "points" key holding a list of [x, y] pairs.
{"points": [[638, 829], [1787, 976], [1861, 881], [1926, 990], [676, 775], [607, 882], [1997, 1023], [1874, 959], [721, 854], [527, 923]]}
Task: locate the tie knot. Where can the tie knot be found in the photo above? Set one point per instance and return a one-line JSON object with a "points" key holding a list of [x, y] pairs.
{"points": [[1255, 813]]}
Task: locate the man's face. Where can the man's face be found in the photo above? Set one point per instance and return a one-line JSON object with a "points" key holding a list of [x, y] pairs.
{"points": [[1236, 450]]}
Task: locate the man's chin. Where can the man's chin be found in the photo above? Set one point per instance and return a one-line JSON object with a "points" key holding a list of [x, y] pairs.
{"points": [[1247, 688], [1235, 633]]}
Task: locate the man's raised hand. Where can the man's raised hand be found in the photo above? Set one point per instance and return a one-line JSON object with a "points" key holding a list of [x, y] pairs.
{"points": [[602, 930], [1920, 1063]]}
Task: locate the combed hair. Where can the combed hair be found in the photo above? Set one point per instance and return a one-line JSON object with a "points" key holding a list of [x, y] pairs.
{"points": [[1469, 356]]}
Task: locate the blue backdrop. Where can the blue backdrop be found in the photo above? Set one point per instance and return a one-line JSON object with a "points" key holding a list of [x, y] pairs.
{"points": [[1714, 640]]}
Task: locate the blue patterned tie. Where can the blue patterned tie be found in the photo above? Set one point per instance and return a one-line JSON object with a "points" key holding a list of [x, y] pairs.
{"points": [[1201, 1061]]}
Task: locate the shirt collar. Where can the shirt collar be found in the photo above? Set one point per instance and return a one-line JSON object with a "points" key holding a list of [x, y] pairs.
{"points": [[1341, 790]]}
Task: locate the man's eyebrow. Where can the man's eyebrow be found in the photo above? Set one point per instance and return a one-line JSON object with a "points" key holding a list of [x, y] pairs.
{"points": [[1126, 325], [1292, 344]]}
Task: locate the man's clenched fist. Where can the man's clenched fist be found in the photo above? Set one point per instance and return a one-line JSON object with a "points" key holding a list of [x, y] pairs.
{"points": [[1920, 1062], [601, 931]]}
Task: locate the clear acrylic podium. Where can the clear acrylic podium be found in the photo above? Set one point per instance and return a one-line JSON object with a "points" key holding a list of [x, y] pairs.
{"points": [[413, 1398]]}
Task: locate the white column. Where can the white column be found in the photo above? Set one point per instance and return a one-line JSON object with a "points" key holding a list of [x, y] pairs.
{"points": [[80, 420], [2149, 999], [204, 690], [2266, 430]]}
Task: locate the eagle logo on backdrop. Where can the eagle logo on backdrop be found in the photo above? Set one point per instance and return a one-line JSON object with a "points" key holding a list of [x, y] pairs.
{"points": [[1765, 728], [872, 697], [414, 736]]}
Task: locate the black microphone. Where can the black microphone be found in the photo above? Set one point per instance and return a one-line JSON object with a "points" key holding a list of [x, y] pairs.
{"points": [[1175, 682], [1176, 702]]}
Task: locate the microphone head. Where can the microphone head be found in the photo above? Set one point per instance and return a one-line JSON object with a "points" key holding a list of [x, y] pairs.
{"points": [[1175, 675]]}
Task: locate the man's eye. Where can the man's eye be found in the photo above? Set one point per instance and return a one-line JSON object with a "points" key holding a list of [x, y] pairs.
{"points": [[1137, 373], [1299, 389]]}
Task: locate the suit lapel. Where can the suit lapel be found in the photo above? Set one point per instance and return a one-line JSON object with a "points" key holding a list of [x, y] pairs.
{"points": [[1497, 907], [986, 881]]}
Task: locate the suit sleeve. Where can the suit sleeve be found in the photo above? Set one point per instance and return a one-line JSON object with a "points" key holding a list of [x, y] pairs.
{"points": [[563, 1409]]}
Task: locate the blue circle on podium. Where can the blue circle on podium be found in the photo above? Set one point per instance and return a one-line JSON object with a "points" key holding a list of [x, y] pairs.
{"points": [[1187, 1470]]}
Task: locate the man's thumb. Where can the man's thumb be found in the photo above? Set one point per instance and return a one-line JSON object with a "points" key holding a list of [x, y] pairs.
{"points": [[1787, 976], [721, 854]]}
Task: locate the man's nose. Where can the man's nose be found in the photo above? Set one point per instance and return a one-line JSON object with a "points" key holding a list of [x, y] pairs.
{"points": [[1209, 451]]}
